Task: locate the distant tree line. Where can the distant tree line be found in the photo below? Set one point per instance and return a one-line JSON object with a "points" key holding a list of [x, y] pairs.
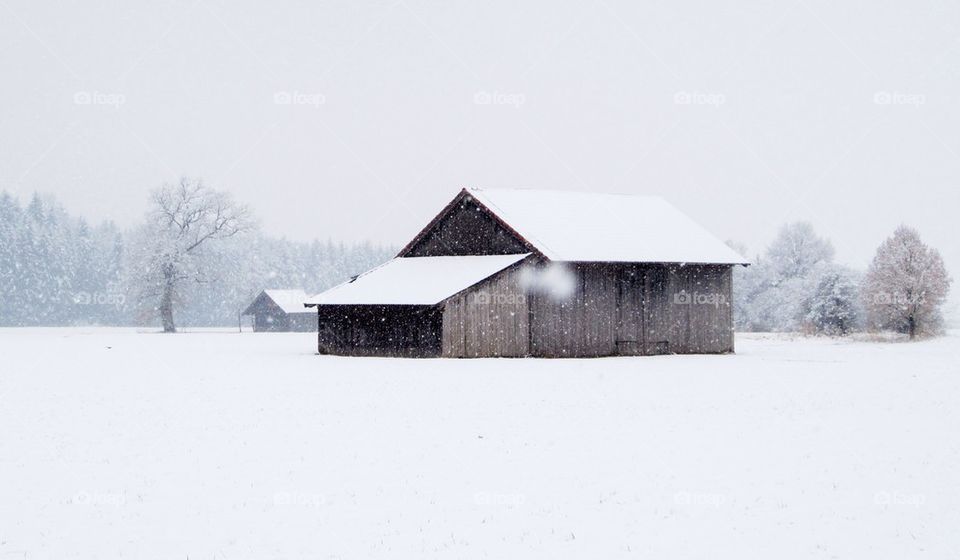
{"points": [[197, 259], [57, 269], [795, 286]]}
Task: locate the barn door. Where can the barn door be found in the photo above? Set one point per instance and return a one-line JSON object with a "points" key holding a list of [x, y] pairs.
{"points": [[630, 311], [656, 311]]}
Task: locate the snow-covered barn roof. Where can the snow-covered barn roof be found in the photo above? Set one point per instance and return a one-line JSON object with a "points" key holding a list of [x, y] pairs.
{"points": [[596, 227], [290, 301], [415, 280]]}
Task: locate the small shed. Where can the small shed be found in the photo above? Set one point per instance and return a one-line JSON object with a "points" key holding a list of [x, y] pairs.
{"points": [[516, 273], [281, 311]]}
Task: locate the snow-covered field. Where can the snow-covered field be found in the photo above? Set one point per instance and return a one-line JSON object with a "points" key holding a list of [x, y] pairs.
{"points": [[118, 444]]}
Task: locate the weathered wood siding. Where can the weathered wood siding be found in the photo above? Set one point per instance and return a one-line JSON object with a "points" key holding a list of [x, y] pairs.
{"points": [[466, 230], [634, 309], [687, 309], [379, 330], [583, 324], [490, 319]]}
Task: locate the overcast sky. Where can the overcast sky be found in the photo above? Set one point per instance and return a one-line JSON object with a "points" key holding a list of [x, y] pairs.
{"points": [[358, 120]]}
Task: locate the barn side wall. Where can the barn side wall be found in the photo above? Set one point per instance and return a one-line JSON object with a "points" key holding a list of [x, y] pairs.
{"points": [[581, 324], [302, 322], [490, 319], [633, 309], [270, 321], [688, 309], [379, 330]]}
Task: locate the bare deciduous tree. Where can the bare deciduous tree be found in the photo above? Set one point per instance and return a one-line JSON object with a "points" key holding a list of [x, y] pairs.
{"points": [[184, 223]]}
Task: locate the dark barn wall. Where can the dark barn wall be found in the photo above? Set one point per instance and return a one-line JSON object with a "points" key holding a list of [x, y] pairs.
{"points": [[633, 309], [279, 321], [490, 319], [466, 230], [302, 322], [267, 315], [379, 330], [266, 321]]}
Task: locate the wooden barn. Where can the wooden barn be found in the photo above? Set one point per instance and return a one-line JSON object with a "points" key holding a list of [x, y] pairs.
{"points": [[281, 311], [516, 273]]}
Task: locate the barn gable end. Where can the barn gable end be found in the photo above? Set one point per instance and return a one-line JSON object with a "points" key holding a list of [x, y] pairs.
{"points": [[466, 227]]}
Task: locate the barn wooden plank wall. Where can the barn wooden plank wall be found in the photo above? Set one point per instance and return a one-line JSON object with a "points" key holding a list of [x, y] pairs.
{"points": [[490, 319], [582, 324], [615, 309]]}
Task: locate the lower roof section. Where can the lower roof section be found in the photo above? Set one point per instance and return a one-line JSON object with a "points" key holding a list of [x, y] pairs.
{"points": [[415, 280]]}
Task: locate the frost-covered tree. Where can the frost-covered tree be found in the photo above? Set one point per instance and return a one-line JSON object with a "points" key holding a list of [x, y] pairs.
{"points": [[797, 251], [906, 285], [770, 294], [833, 308], [186, 223]]}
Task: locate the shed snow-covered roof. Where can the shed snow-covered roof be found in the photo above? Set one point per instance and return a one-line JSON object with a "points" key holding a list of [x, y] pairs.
{"points": [[290, 301], [415, 280], [577, 226]]}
